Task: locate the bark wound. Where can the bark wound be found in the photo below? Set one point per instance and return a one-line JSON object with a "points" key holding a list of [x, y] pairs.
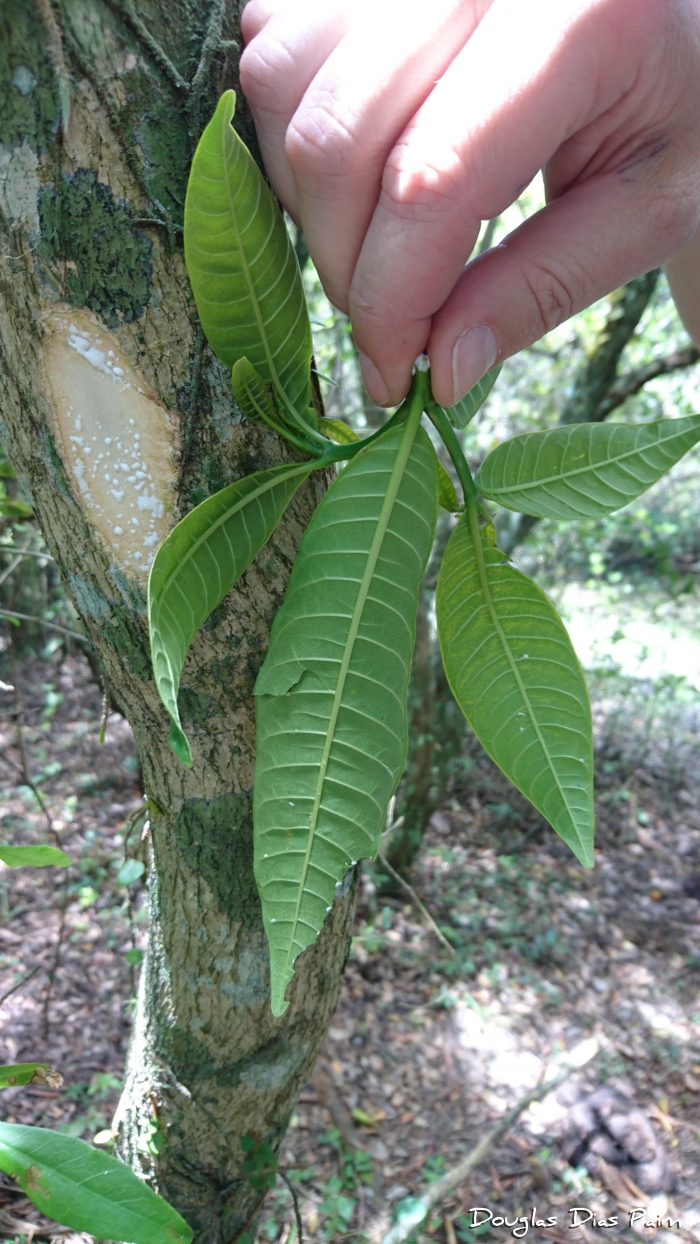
{"points": [[117, 442]]}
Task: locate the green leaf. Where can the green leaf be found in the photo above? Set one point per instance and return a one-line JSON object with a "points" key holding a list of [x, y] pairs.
{"points": [[86, 1189], [130, 871], [6, 471], [19, 1073], [241, 263], [513, 672], [199, 562], [338, 431], [331, 696], [584, 470], [38, 857], [252, 396], [464, 411], [447, 493], [15, 509]]}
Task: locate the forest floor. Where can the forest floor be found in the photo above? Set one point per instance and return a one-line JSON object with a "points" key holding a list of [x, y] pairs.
{"points": [[429, 1047]]}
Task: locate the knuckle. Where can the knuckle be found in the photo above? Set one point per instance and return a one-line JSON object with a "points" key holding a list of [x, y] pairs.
{"points": [[319, 144], [421, 192], [264, 69], [552, 297]]}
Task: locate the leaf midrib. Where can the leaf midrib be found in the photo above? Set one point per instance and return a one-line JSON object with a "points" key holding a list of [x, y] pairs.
{"points": [[584, 470], [475, 533], [386, 511], [262, 329]]}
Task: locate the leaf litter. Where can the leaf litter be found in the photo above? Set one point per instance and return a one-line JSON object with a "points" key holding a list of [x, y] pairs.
{"points": [[427, 1049]]}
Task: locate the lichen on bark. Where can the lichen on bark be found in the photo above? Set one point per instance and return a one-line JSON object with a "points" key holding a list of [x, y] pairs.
{"points": [[89, 218]]}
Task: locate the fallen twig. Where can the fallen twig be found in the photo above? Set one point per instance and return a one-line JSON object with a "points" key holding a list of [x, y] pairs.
{"points": [[295, 1202], [27, 977], [340, 1115], [441, 1188], [51, 626]]}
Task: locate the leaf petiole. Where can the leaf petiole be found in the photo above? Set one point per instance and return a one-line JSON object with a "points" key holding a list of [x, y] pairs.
{"points": [[338, 453], [439, 420]]}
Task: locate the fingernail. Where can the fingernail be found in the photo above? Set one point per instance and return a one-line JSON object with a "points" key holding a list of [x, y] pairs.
{"points": [[474, 354], [373, 382]]}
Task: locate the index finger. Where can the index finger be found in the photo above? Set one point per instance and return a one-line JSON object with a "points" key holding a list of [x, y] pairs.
{"points": [[501, 111]]}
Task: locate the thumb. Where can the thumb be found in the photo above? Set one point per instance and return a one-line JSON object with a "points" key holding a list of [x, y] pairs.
{"points": [[596, 237]]}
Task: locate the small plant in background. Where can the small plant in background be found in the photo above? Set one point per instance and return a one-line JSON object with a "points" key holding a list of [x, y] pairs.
{"points": [[68, 1180]]}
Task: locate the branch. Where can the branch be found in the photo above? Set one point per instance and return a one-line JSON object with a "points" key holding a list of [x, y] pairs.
{"points": [[12, 548], [595, 378], [51, 626], [439, 1191], [630, 384]]}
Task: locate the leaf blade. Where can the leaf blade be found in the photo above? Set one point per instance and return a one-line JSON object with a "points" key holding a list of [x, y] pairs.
{"points": [[241, 263], [12, 1074], [338, 431], [331, 697], [35, 857], [200, 561], [463, 412], [513, 672], [584, 469], [86, 1189]]}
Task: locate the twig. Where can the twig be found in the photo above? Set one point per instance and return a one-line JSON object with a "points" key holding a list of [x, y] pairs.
{"points": [[51, 626], [19, 727], [295, 1201], [106, 710], [8, 569], [337, 1109], [12, 548], [441, 1188], [27, 977], [143, 34], [54, 966], [421, 906], [626, 386]]}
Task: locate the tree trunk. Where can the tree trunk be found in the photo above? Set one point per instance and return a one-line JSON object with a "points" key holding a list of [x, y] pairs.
{"points": [[118, 419]]}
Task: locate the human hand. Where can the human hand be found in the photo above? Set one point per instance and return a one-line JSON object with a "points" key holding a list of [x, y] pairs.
{"points": [[391, 129]]}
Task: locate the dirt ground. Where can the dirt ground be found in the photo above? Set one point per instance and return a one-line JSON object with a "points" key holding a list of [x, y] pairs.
{"points": [[429, 1046]]}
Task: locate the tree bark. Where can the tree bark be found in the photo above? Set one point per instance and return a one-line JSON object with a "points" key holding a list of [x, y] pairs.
{"points": [[101, 107]]}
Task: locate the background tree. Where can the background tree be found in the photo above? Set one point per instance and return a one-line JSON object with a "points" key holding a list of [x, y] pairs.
{"points": [[101, 110]]}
